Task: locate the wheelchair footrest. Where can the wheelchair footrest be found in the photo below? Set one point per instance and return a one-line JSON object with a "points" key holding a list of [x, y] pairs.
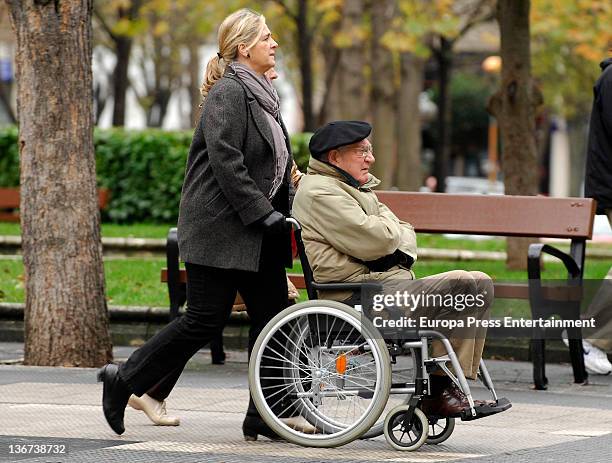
{"points": [[482, 411]]}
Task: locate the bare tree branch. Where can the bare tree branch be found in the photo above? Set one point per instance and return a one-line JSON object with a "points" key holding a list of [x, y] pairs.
{"points": [[288, 12], [476, 16], [100, 17]]}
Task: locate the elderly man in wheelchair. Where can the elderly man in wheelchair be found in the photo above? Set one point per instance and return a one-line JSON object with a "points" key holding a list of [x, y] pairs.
{"points": [[337, 360]]}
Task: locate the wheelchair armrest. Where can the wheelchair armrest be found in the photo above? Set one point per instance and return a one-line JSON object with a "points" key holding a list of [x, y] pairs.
{"points": [[365, 289], [534, 256], [338, 286]]}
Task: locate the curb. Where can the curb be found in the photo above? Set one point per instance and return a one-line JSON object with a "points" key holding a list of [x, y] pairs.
{"points": [[130, 325], [118, 313]]}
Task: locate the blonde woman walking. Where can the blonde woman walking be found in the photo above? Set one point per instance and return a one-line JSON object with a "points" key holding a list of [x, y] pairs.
{"points": [[232, 230]]}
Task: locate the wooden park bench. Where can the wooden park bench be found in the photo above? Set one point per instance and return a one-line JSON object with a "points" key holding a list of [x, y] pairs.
{"points": [[525, 216], [9, 203]]}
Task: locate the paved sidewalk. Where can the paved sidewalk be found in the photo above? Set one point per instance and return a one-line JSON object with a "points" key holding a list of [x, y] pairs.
{"points": [[61, 406]]}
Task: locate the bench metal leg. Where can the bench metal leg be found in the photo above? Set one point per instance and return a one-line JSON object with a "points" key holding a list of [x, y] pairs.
{"points": [[538, 358], [216, 349], [574, 337], [176, 289]]}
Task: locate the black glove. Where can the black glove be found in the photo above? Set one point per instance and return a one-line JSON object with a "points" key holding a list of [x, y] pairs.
{"points": [[384, 263], [274, 223]]}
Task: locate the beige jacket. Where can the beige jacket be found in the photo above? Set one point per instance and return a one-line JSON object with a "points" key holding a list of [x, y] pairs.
{"points": [[344, 225]]}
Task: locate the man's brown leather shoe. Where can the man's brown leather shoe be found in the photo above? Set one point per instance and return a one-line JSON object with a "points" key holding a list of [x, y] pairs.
{"points": [[458, 393], [444, 405], [449, 403]]}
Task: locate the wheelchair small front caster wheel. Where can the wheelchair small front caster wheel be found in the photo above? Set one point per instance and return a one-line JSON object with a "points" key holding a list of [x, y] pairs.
{"points": [[440, 429], [406, 438]]}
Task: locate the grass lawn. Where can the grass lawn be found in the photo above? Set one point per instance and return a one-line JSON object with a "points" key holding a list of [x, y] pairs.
{"points": [[128, 282], [137, 281]]}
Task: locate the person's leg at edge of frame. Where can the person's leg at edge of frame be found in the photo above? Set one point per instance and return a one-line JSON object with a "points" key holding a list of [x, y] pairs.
{"points": [[210, 294], [599, 341], [603, 337]]}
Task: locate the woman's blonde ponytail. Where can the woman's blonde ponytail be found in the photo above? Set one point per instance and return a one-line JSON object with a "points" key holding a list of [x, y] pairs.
{"points": [[214, 71]]}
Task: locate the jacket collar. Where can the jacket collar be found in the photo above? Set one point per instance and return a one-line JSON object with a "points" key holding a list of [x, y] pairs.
{"points": [[316, 167], [263, 127]]}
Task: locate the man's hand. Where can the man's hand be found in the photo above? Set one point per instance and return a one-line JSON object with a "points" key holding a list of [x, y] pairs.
{"points": [[275, 223], [384, 263]]}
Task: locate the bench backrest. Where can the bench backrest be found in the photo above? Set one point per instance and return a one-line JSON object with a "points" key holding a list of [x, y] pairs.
{"points": [[9, 199], [529, 216]]}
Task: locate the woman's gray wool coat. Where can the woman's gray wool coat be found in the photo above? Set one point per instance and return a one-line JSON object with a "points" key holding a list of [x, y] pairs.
{"points": [[229, 173]]}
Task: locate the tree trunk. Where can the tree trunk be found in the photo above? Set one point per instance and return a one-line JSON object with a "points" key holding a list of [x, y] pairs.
{"points": [[578, 135], [409, 175], [100, 98], [332, 98], [444, 57], [159, 107], [331, 103], [5, 100], [350, 76], [66, 320], [346, 94], [123, 47], [383, 95], [514, 107], [304, 39]]}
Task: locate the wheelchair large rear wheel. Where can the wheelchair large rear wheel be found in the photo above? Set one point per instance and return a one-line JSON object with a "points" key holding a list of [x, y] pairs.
{"points": [[323, 361]]}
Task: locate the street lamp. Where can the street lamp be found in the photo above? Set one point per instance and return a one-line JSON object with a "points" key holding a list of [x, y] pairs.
{"points": [[492, 65]]}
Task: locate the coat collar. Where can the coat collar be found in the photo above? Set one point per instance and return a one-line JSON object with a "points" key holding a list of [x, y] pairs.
{"points": [[257, 112], [316, 167]]}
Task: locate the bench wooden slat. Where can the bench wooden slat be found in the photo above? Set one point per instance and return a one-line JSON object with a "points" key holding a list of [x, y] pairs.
{"points": [[552, 293], [296, 279], [9, 199], [502, 290], [530, 216]]}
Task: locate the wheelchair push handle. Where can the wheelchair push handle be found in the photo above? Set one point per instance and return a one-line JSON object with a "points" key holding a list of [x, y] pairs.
{"points": [[294, 223]]}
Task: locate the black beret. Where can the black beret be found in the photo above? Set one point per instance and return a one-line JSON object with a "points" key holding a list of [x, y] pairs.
{"points": [[335, 134]]}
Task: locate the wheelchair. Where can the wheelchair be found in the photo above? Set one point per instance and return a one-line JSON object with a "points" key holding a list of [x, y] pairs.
{"points": [[327, 363]]}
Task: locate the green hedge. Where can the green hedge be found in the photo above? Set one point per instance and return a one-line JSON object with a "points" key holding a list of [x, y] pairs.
{"points": [[142, 169]]}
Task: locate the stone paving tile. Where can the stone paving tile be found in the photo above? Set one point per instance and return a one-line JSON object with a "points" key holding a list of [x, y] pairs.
{"points": [[531, 425], [595, 450], [64, 403]]}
